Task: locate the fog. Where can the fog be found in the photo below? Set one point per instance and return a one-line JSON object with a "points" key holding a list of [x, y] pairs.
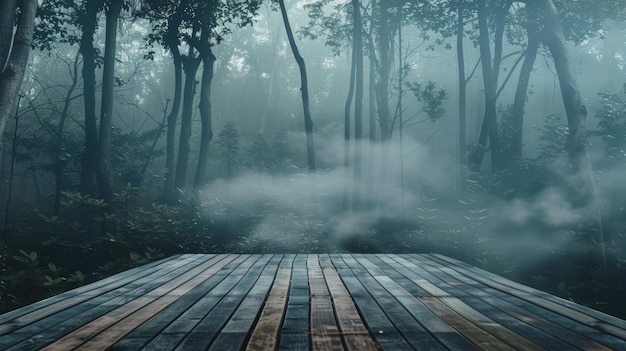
{"points": [[553, 215]]}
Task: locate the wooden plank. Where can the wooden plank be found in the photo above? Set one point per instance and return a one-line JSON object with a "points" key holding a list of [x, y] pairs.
{"points": [[431, 322], [602, 321], [355, 335], [234, 334], [384, 331], [134, 312], [57, 302], [585, 319], [481, 339], [30, 314], [294, 333], [143, 334], [324, 329], [185, 320], [53, 327], [543, 332], [265, 333], [204, 332]]}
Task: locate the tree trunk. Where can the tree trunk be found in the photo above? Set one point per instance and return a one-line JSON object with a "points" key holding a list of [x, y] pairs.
{"points": [[172, 42], [522, 86], [87, 50], [308, 122], [489, 130], [208, 62], [190, 66], [103, 165], [358, 103], [385, 68], [462, 94], [59, 157], [16, 58], [347, 132], [7, 23]]}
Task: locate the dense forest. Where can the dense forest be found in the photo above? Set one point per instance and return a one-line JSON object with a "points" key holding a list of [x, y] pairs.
{"points": [[492, 131]]}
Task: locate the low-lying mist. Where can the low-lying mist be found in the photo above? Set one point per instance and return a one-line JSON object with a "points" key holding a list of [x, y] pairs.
{"points": [[413, 204]]}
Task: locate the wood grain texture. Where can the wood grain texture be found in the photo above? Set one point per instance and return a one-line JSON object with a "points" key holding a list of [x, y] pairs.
{"points": [[308, 302]]}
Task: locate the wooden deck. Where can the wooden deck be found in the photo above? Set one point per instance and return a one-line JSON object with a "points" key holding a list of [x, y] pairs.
{"points": [[308, 302]]}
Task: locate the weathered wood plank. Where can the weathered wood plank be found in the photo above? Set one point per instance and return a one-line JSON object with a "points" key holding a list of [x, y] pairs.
{"points": [[133, 312], [294, 333], [53, 327], [384, 331], [324, 329], [303, 302], [203, 333], [57, 302], [585, 321], [265, 333], [355, 335]]}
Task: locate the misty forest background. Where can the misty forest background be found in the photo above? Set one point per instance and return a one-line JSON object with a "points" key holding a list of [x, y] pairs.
{"points": [[492, 131]]}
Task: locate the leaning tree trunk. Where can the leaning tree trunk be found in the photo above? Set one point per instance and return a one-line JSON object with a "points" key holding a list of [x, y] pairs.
{"points": [[87, 50], [581, 185], [208, 63], [103, 164], [308, 121], [15, 58]]}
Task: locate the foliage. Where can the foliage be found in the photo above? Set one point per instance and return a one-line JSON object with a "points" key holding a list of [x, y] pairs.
{"points": [[612, 124], [431, 98]]}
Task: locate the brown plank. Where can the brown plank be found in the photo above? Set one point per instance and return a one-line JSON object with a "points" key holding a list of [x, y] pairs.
{"points": [[584, 315], [355, 334], [137, 312], [481, 339], [324, 329], [265, 333], [85, 295]]}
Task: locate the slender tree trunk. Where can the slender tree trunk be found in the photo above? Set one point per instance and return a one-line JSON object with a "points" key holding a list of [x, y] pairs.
{"points": [[208, 62], [172, 43], [59, 157], [308, 121], [385, 68], [358, 103], [347, 132], [87, 50], [103, 165], [462, 93], [522, 86], [190, 65], [489, 130], [12, 73]]}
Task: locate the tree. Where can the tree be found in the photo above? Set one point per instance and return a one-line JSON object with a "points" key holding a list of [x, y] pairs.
{"points": [[103, 164], [89, 24], [308, 121], [15, 42]]}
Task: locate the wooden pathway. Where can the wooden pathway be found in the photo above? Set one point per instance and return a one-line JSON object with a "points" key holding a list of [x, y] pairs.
{"points": [[308, 302]]}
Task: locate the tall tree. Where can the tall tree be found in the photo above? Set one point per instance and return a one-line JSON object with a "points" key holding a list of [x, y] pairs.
{"points": [[308, 121], [89, 24], [103, 163], [14, 51]]}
